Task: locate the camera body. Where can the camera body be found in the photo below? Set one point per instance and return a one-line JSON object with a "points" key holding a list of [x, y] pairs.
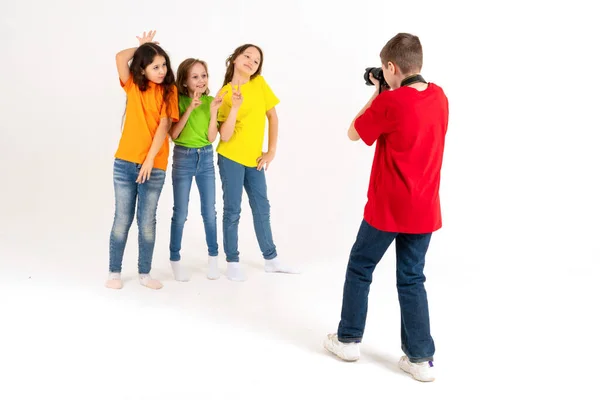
{"points": [[377, 74]]}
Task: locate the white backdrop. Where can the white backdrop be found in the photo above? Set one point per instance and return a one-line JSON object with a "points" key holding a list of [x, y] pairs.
{"points": [[519, 193]]}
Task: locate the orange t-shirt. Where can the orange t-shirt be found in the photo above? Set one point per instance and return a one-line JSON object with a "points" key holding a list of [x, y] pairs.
{"points": [[142, 115]]}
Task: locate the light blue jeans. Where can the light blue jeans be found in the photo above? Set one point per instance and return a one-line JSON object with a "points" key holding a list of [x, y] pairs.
{"points": [[127, 193], [235, 178], [190, 163]]}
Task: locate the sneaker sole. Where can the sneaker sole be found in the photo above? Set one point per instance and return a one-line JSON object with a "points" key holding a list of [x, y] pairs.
{"points": [[413, 376], [352, 359]]}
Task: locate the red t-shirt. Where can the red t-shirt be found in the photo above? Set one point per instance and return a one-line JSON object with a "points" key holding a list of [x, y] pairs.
{"points": [[410, 129]]}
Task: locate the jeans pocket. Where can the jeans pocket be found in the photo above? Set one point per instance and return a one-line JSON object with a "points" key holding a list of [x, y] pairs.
{"points": [[183, 160]]}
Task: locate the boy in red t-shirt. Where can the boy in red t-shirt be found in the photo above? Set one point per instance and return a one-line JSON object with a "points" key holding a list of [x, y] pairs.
{"points": [[409, 123]]}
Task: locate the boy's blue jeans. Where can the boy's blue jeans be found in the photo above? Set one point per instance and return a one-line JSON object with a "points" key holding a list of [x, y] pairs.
{"points": [[127, 193], [190, 163], [370, 246]]}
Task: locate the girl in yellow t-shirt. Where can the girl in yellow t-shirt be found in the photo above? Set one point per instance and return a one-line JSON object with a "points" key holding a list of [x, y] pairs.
{"points": [[248, 102], [141, 158]]}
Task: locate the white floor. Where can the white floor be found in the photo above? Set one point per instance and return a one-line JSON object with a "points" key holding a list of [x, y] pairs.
{"points": [[64, 334], [512, 277]]}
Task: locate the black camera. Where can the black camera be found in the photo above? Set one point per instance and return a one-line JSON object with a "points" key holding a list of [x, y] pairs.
{"points": [[377, 74]]}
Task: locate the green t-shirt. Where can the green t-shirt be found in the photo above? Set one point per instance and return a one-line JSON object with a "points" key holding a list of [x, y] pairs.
{"points": [[195, 132]]}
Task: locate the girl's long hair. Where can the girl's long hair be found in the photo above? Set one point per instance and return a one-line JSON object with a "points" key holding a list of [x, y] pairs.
{"points": [[230, 66], [144, 56], [183, 73]]}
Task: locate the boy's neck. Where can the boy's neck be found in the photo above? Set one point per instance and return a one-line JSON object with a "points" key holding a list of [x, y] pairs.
{"points": [[420, 86]]}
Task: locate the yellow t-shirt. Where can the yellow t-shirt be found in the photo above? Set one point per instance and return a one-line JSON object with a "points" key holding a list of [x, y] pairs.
{"points": [[246, 143]]}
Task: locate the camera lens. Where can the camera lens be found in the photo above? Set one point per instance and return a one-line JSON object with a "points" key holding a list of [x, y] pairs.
{"points": [[367, 72], [377, 74]]}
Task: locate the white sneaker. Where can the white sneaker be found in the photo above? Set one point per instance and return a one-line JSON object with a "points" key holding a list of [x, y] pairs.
{"points": [[345, 351], [275, 265], [422, 371], [180, 273]]}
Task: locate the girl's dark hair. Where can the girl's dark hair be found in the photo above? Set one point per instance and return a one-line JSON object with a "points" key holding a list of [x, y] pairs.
{"points": [[144, 56], [183, 73], [230, 66]]}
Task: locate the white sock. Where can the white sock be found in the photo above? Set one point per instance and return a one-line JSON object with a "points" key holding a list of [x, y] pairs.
{"points": [[181, 273], [235, 272], [213, 268], [114, 275], [149, 282], [275, 265], [114, 280]]}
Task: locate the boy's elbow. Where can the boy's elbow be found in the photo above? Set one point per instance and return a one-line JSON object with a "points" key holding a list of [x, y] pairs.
{"points": [[353, 135]]}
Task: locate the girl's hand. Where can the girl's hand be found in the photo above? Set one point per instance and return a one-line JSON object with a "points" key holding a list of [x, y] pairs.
{"points": [[195, 101], [147, 38], [216, 103], [236, 96], [265, 160], [145, 171]]}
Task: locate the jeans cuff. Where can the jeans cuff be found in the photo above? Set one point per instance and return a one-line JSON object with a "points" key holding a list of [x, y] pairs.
{"points": [[420, 360], [349, 340]]}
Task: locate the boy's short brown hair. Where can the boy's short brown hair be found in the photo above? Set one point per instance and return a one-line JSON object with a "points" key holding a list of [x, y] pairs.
{"points": [[405, 51]]}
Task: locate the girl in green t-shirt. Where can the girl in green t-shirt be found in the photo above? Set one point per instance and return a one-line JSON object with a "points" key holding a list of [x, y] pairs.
{"points": [[193, 157]]}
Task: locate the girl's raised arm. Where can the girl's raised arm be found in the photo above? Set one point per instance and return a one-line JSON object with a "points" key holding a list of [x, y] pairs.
{"points": [[124, 56]]}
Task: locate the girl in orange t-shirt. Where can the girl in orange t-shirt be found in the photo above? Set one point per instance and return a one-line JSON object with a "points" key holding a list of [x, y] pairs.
{"points": [[141, 158]]}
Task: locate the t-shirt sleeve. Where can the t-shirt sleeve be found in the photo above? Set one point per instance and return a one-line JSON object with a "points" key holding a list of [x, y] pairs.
{"points": [[172, 108], [182, 105], [375, 121], [270, 99], [209, 100], [225, 107], [127, 85]]}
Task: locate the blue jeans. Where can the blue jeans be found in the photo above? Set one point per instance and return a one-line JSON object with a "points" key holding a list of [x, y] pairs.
{"points": [[190, 163], [127, 192], [235, 178], [370, 246]]}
